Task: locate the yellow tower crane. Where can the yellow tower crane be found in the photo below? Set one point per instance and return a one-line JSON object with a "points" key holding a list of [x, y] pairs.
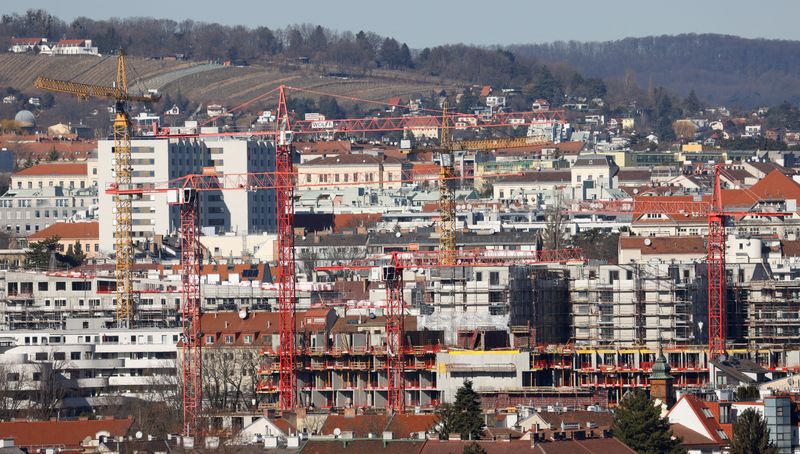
{"points": [[447, 183], [122, 173]]}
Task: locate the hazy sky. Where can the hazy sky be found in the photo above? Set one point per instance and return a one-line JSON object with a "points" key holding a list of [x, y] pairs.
{"points": [[423, 23]]}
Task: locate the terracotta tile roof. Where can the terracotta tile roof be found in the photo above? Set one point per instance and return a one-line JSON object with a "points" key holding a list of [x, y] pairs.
{"points": [[362, 446], [65, 150], [394, 101], [588, 446], [601, 418], [324, 147], [690, 437], [354, 220], [351, 160], [693, 245], [259, 324], [565, 148], [403, 425], [53, 169], [69, 231], [424, 168], [360, 425], [710, 424], [633, 175], [776, 185], [284, 426], [67, 433], [486, 90], [791, 248]]}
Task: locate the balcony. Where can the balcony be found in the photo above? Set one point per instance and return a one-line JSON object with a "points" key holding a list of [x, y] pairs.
{"points": [[132, 381], [95, 363], [98, 382], [149, 363]]}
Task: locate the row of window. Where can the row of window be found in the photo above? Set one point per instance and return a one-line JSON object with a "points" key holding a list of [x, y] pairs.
{"points": [[51, 183], [228, 339]]}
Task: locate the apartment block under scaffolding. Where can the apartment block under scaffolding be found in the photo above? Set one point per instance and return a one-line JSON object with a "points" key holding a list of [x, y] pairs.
{"points": [[342, 363], [528, 303]]}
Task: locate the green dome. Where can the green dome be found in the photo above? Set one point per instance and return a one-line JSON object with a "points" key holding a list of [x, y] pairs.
{"points": [[660, 370]]}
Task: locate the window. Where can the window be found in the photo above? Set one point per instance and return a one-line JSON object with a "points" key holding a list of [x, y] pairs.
{"points": [[41, 356], [722, 434], [479, 276], [61, 286], [59, 356], [75, 356], [494, 278], [228, 339], [209, 340], [12, 376], [248, 339], [42, 286], [81, 285]]}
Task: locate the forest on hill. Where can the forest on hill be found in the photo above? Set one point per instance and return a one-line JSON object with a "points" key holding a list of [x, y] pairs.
{"points": [[721, 69]]}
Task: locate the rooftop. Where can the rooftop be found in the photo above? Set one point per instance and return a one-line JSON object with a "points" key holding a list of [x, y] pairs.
{"points": [[69, 231], [54, 169]]}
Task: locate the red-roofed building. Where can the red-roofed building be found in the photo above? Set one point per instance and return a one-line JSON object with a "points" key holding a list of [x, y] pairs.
{"points": [[74, 47], [24, 45], [72, 175], [486, 90], [693, 414], [341, 171], [313, 150], [87, 234], [62, 436], [635, 249]]}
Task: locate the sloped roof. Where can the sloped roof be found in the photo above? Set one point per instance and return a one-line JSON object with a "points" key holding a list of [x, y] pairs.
{"points": [[69, 231], [402, 425], [323, 147], [776, 185], [694, 245], [360, 425], [583, 417], [54, 169], [67, 433], [362, 446], [690, 437]]}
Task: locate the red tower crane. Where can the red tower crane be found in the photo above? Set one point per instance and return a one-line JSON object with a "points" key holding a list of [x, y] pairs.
{"points": [[715, 212], [392, 272], [283, 181]]}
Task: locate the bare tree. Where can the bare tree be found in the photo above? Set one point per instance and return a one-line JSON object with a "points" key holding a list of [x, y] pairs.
{"points": [[51, 387], [15, 386], [554, 235]]}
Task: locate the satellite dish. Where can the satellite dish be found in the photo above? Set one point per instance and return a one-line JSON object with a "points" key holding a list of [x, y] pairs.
{"points": [[647, 242], [243, 314], [139, 435], [398, 235], [337, 431]]}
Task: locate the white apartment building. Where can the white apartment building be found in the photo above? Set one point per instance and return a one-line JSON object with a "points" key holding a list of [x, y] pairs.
{"points": [[95, 365], [162, 160], [335, 172], [69, 175]]}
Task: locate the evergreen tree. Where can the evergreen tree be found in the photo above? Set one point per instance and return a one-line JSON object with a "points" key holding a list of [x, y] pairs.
{"points": [[692, 104], [405, 56], [638, 424], [464, 416], [751, 435], [747, 393], [39, 253]]}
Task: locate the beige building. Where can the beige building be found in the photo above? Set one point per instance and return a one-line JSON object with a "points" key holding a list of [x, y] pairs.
{"points": [[334, 172], [87, 234], [67, 175]]}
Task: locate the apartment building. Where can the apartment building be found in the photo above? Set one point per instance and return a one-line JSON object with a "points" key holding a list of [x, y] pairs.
{"points": [[331, 172], [26, 211], [161, 160], [66, 175], [91, 365], [84, 234]]}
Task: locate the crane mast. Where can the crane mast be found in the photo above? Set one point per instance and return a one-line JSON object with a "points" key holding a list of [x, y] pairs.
{"points": [[122, 175]]}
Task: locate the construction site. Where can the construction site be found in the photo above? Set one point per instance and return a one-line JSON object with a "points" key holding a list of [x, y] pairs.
{"points": [[526, 324]]}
